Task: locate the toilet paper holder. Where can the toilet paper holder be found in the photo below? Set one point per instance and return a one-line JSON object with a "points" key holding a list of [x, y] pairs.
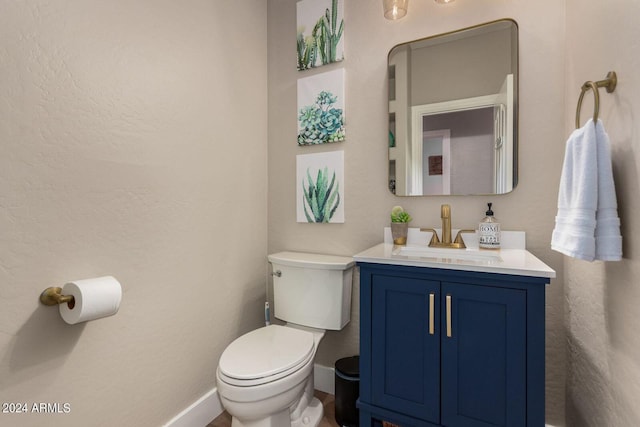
{"points": [[53, 296]]}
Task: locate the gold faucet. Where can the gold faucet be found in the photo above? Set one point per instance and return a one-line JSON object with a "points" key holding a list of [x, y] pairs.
{"points": [[458, 243]]}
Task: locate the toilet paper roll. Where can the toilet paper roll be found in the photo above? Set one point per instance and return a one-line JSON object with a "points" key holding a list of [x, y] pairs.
{"points": [[94, 298]]}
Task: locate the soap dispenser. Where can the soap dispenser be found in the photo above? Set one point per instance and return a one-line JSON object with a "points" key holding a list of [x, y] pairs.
{"points": [[489, 231]]}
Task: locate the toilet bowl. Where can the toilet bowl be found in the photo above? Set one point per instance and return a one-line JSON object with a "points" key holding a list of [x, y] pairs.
{"points": [[274, 389], [265, 377]]}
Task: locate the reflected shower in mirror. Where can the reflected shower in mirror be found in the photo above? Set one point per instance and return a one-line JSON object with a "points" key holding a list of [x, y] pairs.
{"points": [[453, 112]]}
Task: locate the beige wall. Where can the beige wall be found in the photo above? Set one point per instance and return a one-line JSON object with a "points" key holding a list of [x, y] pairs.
{"points": [[603, 299], [368, 38], [133, 139]]}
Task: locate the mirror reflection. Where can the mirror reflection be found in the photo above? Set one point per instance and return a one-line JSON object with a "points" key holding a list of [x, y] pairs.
{"points": [[453, 112]]}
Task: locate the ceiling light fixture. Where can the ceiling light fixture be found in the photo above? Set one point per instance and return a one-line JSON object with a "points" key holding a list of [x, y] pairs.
{"points": [[395, 9]]}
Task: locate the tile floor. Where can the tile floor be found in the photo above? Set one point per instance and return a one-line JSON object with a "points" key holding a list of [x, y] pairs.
{"points": [[329, 420]]}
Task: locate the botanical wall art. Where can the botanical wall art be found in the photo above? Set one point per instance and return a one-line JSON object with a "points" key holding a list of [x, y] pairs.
{"points": [[321, 108], [320, 29], [320, 187]]}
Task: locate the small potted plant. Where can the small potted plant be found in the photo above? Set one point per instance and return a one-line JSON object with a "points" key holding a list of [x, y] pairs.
{"points": [[399, 225]]}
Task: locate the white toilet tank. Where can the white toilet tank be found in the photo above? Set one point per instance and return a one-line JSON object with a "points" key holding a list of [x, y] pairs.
{"points": [[311, 289]]}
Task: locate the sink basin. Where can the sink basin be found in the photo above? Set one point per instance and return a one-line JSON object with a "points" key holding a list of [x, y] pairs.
{"points": [[448, 255]]}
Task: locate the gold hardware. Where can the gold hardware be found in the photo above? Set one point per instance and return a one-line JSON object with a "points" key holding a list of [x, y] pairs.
{"points": [[449, 245], [458, 240], [53, 296], [432, 315], [448, 300], [609, 83], [434, 236], [445, 215], [458, 243]]}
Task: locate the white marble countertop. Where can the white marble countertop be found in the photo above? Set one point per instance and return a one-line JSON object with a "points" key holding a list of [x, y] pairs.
{"points": [[518, 262]]}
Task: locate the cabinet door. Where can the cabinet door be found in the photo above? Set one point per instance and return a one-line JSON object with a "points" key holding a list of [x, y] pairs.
{"points": [[405, 346], [483, 356]]}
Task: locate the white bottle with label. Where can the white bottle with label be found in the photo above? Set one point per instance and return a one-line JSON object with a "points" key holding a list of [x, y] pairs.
{"points": [[489, 231]]}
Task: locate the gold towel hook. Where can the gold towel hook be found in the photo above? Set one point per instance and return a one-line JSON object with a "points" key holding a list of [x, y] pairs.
{"points": [[53, 296], [609, 83]]}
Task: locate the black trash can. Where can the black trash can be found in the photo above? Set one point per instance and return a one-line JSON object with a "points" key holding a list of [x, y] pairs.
{"points": [[347, 391]]}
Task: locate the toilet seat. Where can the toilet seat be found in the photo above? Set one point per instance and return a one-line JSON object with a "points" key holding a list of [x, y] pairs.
{"points": [[265, 355]]}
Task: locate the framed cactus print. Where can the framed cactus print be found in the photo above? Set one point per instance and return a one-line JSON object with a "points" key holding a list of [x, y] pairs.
{"points": [[320, 187], [321, 108], [320, 32]]}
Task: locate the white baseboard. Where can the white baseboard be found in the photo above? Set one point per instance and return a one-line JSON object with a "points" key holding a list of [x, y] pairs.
{"points": [[199, 413], [204, 410], [324, 379]]}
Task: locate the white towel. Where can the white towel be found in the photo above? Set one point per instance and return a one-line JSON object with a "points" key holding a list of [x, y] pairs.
{"points": [[587, 224], [608, 237], [578, 196]]}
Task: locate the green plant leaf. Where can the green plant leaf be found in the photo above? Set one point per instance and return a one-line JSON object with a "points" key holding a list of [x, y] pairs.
{"points": [[321, 197], [335, 206], [321, 188], [304, 205], [330, 207], [334, 14]]}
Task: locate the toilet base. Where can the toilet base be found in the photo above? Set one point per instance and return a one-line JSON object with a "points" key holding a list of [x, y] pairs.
{"points": [[275, 420], [310, 417]]}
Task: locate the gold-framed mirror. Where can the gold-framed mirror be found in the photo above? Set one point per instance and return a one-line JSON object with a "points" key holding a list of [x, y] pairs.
{"points": [[453, 112]]}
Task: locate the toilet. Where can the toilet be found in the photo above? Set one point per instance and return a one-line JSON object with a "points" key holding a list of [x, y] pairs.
{"points": [[265, 377]]}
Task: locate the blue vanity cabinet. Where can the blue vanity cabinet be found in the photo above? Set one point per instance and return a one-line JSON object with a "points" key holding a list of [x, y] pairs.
{"points": [[405, 346], [450, 348]]}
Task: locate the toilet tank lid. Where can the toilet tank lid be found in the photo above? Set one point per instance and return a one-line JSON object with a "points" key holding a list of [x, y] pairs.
{"points": [[307, 260]]}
